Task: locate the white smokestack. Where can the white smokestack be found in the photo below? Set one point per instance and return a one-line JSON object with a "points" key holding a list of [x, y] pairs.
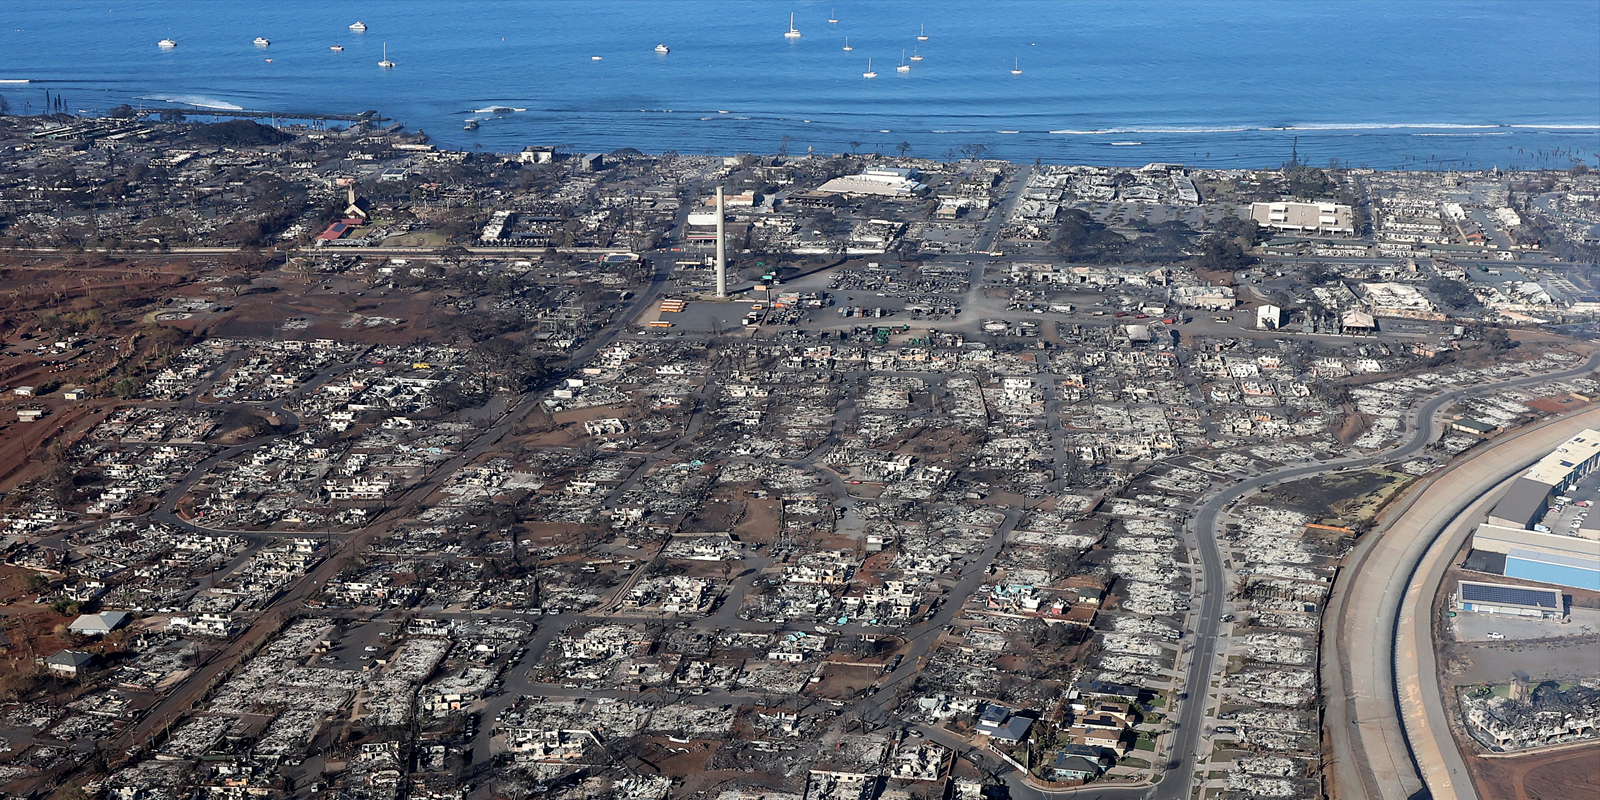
{"points": [[722, 252]]}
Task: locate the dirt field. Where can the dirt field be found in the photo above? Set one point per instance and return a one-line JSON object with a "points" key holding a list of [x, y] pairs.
{"points": [[340, 309], [1562, 775], [762, 520], [843, 682], [1557, 405]]}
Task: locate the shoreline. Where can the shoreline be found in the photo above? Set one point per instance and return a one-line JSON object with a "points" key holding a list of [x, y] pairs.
{"points": [[297, 121]]}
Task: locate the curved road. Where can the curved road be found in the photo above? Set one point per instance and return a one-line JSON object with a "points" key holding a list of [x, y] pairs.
{"points": [[1369, 755], [1205, 526], [1433, 531]]}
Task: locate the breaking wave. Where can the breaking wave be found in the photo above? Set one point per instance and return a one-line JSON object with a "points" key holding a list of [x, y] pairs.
{"points": [[198, 101]]}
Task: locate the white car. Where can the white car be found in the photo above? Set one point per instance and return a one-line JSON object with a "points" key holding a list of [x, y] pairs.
{"points": [[1496, 635]]}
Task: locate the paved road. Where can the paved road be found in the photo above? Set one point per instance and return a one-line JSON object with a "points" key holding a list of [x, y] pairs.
{"points": [[1370, 755], [1002, 211], [1441, 521]]}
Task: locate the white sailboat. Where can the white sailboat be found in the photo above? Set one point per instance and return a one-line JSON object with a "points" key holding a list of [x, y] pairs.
{"points": [[386, 63], [904, 67], [1016, 67], [791, 33], [914, 55], [832, 18], [922, 33], [869, 73], [847, 43]]}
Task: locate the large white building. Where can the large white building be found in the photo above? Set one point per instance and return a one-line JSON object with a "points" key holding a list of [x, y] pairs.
{"points": [[1514, 543], [1321, 219], [889, 182]]}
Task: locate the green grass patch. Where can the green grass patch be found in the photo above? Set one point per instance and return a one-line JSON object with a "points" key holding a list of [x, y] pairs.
{"points": [[1226, 756]]}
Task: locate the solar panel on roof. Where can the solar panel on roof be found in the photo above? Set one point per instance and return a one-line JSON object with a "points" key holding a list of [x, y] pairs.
{"points": [[1512, 595]]}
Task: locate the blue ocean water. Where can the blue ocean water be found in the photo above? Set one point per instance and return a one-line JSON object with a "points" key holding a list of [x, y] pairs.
{"points": [[1418, 85]]}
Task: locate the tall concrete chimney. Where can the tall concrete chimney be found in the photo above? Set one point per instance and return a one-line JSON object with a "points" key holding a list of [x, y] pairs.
{"points": [[722, 250]]}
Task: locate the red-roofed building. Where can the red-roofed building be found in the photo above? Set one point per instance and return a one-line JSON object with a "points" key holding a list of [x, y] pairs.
{"points": [[338, 230]]}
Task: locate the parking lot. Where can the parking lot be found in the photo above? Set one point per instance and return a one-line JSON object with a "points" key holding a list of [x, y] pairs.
{"points": [[1469, 626], [350, 650]]}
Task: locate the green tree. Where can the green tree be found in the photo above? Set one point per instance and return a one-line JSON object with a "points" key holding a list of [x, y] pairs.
{"points": [[126, 389]]}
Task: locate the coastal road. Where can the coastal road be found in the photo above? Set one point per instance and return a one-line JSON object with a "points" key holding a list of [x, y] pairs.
{"points": [[1371, 757]]}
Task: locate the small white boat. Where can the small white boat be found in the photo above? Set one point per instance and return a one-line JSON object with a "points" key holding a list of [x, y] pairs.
{"points": [[922, 34], [596, 58], [832, 20], [269, 61], [359, 27], [869, 73], [261, 41], [904, 67], [847, 43], [166, 44], [386, 63], [914, 55], [471, 125], [1016, 67], [791, 33], [661, 48], [338, 48]]}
